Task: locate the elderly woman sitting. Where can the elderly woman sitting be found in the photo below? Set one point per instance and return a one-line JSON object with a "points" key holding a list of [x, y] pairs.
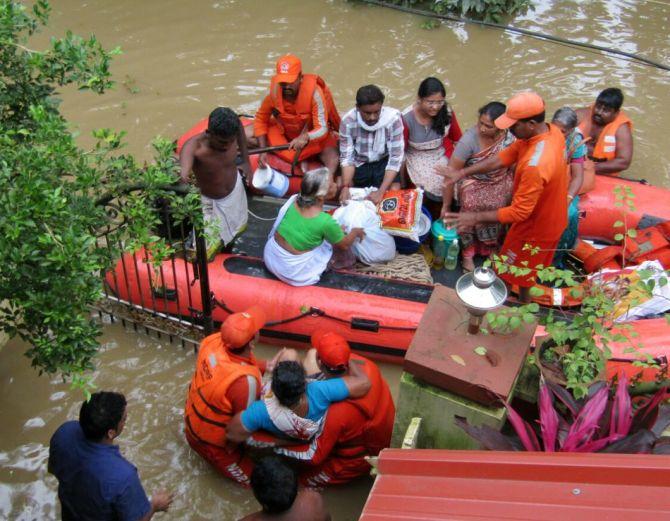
{"points": [[301, 241], [566, 120]]}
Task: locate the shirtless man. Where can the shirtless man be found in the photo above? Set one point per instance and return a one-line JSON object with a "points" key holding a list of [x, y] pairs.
{"points": [[211, 156], [610, 146], [275, 486]]}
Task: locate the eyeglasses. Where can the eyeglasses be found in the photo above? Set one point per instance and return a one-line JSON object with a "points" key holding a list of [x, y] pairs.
{"points": [[434, 103]]}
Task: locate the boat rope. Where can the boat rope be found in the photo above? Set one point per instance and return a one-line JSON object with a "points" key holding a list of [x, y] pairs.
{"points": [[524, 32], [413, 268], [261, 218], [311, 312]]}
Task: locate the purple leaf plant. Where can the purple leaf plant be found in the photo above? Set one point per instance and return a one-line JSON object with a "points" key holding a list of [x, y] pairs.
{"points": [[605, 421]]}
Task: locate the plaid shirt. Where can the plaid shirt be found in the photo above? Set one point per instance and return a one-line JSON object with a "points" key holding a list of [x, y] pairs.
{"points": [[356, 143]]}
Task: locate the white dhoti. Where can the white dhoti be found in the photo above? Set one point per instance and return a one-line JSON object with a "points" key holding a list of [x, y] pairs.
{"points": [[226, 217], [304, 269]]}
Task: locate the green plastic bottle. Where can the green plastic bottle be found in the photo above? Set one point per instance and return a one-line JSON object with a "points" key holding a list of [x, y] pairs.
{"points": [[451, 257], [439, 252]]}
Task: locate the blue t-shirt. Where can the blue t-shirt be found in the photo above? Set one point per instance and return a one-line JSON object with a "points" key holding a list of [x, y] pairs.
{"points": [[319, 396], [94, 481]]}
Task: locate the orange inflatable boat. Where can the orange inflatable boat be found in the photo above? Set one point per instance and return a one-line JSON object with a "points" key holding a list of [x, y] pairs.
{"points": [[377, 316]]}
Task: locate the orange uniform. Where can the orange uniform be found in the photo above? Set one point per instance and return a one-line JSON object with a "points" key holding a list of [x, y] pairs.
{"points": [[605, 147], [224, 383], [313, 109], [538, 212]]}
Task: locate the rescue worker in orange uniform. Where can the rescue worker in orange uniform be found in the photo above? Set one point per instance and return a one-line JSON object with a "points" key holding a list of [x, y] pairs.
{"points": [[353, 428], [609, 132], [298, 111], [539, 208], [226, 381]]}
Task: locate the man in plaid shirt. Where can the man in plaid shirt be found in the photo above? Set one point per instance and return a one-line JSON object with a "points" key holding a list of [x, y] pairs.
{"points": [[372, 145]]}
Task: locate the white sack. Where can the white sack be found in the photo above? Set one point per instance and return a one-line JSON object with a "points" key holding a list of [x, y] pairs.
{"points": [[378, 245]]}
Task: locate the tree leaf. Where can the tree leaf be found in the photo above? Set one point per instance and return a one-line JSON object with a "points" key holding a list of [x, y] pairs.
{"points": [[458, 359], [480, 350]]}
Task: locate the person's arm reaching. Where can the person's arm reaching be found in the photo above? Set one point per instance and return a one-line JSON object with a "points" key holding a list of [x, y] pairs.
{"points": [[455, 163], [160, 502], [261, 124], [319, 116], [576, 179], [186, 158], [132, 501], [481, 167], [506, 157], [235, 430], [348, 240], [523, 203], [357, 381], [244, 153]]}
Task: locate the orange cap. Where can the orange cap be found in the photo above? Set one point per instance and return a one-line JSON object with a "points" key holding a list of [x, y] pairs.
{"points": [[288, 69], [333, 349], [239, 328], [520, 106]]}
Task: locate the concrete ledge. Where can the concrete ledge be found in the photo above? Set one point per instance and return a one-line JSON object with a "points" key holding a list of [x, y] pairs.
{"points": [[437, 409]]}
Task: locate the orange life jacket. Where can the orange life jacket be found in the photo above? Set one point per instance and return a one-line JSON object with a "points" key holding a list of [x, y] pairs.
{"points": [[208, 409], [294, 124], [648, 244], [373, 435], [605, 147]]}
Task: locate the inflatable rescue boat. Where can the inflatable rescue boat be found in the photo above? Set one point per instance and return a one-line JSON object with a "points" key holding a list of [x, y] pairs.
{"points": [[378, 316]]}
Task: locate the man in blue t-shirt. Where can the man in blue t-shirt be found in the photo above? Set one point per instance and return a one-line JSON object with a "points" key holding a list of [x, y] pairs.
{"points": [[95, 482], [294, 408]]}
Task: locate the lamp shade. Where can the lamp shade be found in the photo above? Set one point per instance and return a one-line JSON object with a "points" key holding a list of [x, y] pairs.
{"points": [[481, 291]]}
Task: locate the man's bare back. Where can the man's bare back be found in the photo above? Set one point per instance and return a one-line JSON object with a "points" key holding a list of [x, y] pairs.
{"points": [[213, 161], [308, 506]]}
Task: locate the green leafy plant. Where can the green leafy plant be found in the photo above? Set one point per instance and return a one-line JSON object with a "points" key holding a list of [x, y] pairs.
{"points": [[488, 10], [51, 221], [577, 344]]}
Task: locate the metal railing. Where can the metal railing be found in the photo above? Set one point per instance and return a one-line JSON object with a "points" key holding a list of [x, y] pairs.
{"points": [[146, 294]]}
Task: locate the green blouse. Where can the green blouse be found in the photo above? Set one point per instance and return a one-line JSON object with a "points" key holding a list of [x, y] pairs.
{"points": [[304, 233]]}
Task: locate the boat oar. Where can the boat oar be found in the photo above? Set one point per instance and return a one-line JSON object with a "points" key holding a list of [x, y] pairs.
{"points": [[268, 149], [297, 152]]}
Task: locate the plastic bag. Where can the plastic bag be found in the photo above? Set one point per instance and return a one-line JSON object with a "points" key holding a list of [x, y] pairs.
{"points": [[360, 194], [378, 245], [633, 303], [400, 212]]}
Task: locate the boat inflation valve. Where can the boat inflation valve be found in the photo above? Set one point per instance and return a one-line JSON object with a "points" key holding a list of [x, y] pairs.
{"points": [[480, 291]]}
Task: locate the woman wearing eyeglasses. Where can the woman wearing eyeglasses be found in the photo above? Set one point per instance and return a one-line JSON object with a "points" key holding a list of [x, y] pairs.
{"points": [[431, 132]]}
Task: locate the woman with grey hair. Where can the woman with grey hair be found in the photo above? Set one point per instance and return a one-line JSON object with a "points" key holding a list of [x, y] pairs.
{"points": [[301, 241], [566, 120]]}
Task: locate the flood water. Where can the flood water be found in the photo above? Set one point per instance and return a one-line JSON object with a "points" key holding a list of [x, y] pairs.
{"points": [[154, 375], [181, 59]]}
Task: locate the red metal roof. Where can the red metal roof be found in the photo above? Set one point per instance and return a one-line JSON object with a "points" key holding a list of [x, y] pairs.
{"points": [[476, 485]]}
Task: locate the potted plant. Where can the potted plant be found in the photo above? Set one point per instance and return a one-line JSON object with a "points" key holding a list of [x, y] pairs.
{"points": [[606, 420]]}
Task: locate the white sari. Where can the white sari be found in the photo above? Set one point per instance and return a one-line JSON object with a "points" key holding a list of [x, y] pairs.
{"points": [[304, 269]]}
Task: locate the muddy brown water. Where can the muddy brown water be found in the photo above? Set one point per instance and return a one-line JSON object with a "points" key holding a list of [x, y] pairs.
{"points": [[154, 376], [181, 59]]}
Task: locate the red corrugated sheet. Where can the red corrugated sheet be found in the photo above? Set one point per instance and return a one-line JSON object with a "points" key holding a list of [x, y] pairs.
{"points": [[476, 485]]}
